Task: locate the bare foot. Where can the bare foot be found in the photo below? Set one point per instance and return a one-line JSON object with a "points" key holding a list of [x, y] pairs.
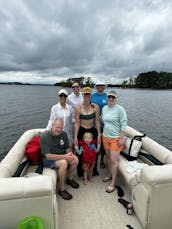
{"points": [[85, 182], [91, 179]]}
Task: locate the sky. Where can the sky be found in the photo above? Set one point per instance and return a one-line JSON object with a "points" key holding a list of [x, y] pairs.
{"points": [[50, 41]]}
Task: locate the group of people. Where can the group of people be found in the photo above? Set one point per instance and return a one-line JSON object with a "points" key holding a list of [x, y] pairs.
{"points": [[85, 123]]}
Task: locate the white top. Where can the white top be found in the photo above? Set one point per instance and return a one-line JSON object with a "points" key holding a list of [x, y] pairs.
{"points": [[74, 100], [66, 114]]}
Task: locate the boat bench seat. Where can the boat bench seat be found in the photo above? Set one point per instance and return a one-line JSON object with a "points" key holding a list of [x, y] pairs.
{"points": [[27, 195], [46, 171], [151, 188]]}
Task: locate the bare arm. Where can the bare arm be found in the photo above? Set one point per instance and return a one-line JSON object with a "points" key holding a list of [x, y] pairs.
{"points": [[122, 138], [55, 157], [97, 111], [77, 124], [97, 120], [69, 156]]}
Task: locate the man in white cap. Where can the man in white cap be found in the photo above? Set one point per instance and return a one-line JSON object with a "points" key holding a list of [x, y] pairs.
{"points": [[100, 98], [62, 111]]}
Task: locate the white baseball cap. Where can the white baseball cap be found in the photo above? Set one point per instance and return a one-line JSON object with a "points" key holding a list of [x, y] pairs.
{"points": [[63, 91], [100, 83]]}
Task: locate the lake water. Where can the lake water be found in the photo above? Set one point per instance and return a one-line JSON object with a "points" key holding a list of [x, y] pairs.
{"points": [[27, 107]]}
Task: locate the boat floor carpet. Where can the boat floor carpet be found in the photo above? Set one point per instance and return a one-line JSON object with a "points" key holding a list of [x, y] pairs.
{"points": [[93, 208]]}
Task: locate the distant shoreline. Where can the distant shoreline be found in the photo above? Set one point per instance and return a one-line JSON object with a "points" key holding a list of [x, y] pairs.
{"points": [[23, 84], [67, 86]]}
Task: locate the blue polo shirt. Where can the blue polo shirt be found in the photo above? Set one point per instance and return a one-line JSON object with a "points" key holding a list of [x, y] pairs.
{"points": [[99, 99]]}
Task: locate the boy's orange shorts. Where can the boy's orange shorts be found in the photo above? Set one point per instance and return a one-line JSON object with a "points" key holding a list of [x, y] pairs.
{"points": [[111, 144]]}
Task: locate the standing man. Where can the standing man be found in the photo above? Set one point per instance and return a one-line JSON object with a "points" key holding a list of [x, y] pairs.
{"points": [[57, 155], [100, 98], [75, 98]]}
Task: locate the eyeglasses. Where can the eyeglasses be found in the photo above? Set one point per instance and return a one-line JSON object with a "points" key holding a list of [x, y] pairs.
{"points": [[75, 86], [111, 96], [63, 95]]}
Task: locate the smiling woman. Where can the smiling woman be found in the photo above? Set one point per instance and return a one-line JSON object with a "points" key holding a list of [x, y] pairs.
{"points": [[87, 116], [115, 122], [63, 111]]}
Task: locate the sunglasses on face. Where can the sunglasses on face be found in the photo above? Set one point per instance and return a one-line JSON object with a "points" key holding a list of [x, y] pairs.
{"points": [[111, 96], [86, 94], [63, 95], [75, 86]]}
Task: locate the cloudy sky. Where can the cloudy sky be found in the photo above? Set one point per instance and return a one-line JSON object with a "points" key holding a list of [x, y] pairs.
{"points": [[48, 41]]}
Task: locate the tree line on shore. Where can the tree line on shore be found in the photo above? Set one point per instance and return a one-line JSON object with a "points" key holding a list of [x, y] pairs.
{"points": [[152, 79]]}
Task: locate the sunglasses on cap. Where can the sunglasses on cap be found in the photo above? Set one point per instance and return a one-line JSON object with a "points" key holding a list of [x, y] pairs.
{"points": [[63, 95], [111, 96]]}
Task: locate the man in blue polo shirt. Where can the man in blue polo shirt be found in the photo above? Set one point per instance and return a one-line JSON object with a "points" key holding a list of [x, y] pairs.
{"points": [[100, 98]]}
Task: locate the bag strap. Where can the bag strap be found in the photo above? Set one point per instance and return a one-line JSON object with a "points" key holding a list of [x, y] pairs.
{"points": [[39, 169], [139, 137], [136, 137], [20, 168]]}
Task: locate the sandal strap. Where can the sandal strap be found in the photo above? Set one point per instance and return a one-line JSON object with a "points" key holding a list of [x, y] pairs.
{"points": [[65, 194], [106, 179]]}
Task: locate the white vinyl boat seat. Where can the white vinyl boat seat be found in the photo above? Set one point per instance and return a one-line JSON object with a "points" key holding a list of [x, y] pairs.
{"points": [[151, 187], [27, 187]]}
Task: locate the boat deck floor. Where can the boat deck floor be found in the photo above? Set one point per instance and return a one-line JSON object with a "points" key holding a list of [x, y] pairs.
{"points": [[93, 208]]}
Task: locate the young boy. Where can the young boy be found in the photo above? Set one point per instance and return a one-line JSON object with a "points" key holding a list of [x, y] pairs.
{"points": [[88, 150]]}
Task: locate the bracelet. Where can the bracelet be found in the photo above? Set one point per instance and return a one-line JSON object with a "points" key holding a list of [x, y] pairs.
{"points": [[99, 134]]}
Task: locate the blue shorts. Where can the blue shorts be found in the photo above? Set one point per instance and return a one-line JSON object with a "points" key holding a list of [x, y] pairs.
{"points": [[48, 163]]}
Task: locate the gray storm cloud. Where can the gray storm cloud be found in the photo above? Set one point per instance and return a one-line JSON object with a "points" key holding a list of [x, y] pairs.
{"points": [[47, 41]]}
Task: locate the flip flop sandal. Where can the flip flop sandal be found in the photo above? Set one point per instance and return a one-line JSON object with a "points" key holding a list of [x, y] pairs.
{"points": [[65, 195], [106, 179], [110, 189]]}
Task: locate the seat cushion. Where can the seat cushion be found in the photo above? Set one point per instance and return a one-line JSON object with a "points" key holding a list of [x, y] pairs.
{"points": [[46, 171]]}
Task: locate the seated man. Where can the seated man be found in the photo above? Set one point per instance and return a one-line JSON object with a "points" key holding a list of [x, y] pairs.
{"points": [[57, 155]]}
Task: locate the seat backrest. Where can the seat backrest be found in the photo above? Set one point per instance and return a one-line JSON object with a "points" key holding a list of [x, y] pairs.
{"points": [[15, 156]]}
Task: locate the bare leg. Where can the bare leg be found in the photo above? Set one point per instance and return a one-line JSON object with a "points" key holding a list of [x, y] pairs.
{"points": [[72, 168], [90, 172], [85, 172], [114, 158], [108, 163], [61, 166]]}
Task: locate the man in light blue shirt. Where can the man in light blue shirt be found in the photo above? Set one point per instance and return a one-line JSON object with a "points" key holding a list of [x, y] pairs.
{"points": [[100, 98]]}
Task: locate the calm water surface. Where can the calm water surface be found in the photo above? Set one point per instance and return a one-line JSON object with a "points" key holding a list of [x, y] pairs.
{"points": [[27, 107]]}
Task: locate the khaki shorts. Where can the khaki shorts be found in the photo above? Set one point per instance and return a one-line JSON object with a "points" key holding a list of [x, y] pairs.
{"points": [[111, 144]]}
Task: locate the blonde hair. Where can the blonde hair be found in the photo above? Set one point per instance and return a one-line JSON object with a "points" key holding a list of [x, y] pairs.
{"points": [[88, 134]]}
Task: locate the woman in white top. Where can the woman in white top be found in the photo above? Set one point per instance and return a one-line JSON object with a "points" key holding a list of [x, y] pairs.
{"points": [[62, 111]]}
